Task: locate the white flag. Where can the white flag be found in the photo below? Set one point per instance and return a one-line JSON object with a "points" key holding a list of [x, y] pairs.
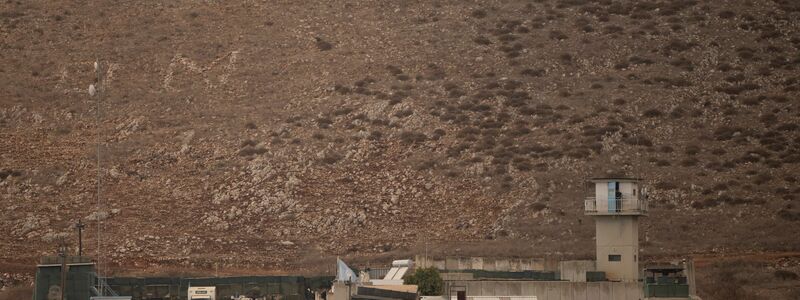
{"points": [[344, 273]]}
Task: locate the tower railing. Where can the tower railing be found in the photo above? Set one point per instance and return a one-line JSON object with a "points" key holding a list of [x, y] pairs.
{"points": [[624, 205]]}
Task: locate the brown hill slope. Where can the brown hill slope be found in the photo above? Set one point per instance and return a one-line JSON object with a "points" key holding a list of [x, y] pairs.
{"points": [[272, 132]]}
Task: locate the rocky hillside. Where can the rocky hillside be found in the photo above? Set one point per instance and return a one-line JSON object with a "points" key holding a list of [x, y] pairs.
{"points": [[261, 134]]}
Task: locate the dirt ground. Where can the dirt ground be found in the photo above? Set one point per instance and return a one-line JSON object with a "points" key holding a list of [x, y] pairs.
{"points": [[271, 136]]}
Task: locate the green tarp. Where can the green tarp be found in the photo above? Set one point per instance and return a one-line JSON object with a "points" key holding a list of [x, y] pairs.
{"points": [[80, 280], [523, 275], [666, 290], [274, 287]]}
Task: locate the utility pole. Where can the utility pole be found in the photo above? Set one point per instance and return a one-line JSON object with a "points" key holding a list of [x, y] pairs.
{"points": [[80, 226], [62, 253]]}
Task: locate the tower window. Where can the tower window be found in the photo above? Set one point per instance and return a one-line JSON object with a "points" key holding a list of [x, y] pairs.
{"points": [[614, 257]]}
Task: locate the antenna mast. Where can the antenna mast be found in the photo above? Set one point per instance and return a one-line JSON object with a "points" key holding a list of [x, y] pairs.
{"points": [[97, 88]]}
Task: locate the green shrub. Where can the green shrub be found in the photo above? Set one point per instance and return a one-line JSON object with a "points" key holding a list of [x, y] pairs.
{"points": [[557, 35], [785, 275], [323, 45], [411, 137], [482, 40], [678, 46], [331, 157], [652, 113], [375, 135], [404, 113], [324, 122], [789, 215], [478, 14], [737, 89], [250, 150], [428, 280]]}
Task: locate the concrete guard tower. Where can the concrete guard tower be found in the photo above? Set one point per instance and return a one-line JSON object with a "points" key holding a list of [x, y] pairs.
{"points": [[617, 204]]}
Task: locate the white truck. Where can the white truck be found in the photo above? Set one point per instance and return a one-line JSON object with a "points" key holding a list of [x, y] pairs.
{"points": [[202, 293]]}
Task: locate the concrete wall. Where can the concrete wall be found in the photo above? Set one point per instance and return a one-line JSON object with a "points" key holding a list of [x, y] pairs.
{"points": [[340, 291], [618, 235], [549, 290], [486, 263], [575, 270]]}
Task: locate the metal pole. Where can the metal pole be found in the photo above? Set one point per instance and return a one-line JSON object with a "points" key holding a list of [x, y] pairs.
{"points": [[426, 254], [80, 237], [98, 82], [63, 254]]}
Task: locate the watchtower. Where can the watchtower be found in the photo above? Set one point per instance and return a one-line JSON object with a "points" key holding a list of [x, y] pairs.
{"points": [[617, 204]]}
